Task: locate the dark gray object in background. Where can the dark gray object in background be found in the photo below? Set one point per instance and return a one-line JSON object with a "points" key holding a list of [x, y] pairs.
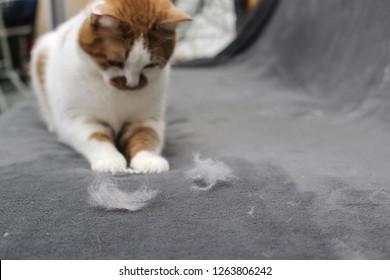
{"points": [[58, 12], [302, 119]]}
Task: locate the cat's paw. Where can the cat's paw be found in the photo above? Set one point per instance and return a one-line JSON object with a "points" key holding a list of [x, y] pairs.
{"points": [[114, 164], [147, 162]]}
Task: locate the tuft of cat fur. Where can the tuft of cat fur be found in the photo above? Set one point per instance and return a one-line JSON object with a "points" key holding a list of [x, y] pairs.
{"points": [[101, 78], [209, 172], [104, 193]]}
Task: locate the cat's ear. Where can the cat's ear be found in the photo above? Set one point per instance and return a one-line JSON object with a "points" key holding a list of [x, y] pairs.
{"points": [[104, 21], [173, 18], [100, 15]]}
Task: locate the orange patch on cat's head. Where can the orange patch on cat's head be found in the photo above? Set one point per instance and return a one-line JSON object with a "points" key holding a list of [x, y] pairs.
{"points": [[114, 26], [140, 14]]}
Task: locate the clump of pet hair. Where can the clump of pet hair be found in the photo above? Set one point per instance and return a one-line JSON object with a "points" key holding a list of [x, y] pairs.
{"points": [[209, 173], [104, 193]]}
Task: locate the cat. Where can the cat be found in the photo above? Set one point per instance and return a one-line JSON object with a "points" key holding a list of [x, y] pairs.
{"points": [[101, 80]]}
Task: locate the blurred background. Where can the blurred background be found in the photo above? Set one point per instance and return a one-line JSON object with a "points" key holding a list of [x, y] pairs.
{"points": [[214, 27]]}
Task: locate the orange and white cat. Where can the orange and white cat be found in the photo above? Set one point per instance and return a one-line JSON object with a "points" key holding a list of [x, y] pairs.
{"points": [[101, 79]]}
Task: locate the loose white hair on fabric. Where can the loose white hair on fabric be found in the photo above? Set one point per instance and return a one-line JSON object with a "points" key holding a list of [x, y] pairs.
{"points": [[209, 172], [104, 193]]}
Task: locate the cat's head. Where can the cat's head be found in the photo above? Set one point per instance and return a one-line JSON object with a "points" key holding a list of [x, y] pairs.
{"points": [[130, 41]]}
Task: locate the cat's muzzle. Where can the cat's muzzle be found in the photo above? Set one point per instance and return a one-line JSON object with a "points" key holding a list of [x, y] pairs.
{"points": [[121, 83]]}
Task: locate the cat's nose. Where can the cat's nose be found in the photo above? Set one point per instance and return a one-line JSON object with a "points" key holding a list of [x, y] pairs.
{"points": [[132, 81], [132, 85]]}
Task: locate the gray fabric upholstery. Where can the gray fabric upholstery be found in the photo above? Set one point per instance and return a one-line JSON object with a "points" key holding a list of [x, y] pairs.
{"points": [[301, 118]]}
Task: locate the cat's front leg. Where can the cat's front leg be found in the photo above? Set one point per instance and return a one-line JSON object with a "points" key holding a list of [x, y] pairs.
{"points": [[96, 142], [143, 143]]}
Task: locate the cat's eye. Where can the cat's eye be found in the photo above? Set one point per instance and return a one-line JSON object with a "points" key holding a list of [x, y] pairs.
{"points": [[151, 65], [114, 63]]}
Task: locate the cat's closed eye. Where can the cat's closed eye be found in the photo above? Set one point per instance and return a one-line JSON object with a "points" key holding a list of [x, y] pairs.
{"points": [[114, 63], [151, 65]]}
